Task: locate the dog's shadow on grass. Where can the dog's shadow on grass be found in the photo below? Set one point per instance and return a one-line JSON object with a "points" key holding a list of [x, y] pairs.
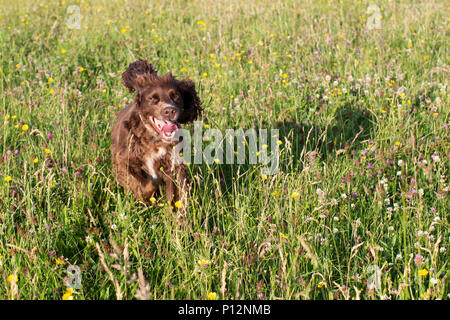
{"points": [[345, 132], [308, 141]]}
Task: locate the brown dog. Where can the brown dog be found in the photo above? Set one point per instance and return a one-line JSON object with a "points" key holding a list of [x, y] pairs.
{"points": [[142, 136]]}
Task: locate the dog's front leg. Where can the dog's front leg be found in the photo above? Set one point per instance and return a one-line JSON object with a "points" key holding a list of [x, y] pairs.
{"points": [[170, 188]]}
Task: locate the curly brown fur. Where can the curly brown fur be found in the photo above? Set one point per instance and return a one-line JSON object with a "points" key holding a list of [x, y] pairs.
{"points": [[141, 143]]}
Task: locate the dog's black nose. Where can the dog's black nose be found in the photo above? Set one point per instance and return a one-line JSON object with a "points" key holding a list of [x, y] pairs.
{"points": [[170, 113]]}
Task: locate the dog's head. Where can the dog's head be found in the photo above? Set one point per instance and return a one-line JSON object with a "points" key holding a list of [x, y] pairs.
{"points": [[163, 102]]}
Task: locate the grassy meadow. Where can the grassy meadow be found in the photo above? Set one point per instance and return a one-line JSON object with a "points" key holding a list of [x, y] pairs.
{"points": [[358, 210]]}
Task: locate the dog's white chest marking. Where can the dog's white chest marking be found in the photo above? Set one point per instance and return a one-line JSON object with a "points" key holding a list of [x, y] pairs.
{"points": [[150, 161]]}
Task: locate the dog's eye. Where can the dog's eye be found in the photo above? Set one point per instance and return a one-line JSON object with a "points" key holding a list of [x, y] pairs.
{"points": [[154, 98], [173, 96]]}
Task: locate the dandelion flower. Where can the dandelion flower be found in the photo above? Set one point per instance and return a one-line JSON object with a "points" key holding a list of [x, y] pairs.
{"points": [[423, 272], [67, 295], [178, 205], [25, 127], [63, 51], [8, 179], [47, 151], [12, 278], [212, 296], [295, 195]]}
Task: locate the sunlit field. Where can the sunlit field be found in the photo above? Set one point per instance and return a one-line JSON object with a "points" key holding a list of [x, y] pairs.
{"points": [[358, 209]]}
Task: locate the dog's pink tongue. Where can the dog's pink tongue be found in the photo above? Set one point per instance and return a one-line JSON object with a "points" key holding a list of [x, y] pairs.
{"points": [[169, 127]]}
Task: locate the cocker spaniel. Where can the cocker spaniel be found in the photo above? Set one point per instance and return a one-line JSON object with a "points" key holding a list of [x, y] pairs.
{"points": [[142, 138]]}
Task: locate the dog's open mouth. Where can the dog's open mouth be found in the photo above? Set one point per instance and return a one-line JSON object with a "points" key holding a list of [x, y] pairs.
{"points": [[165, 128]]}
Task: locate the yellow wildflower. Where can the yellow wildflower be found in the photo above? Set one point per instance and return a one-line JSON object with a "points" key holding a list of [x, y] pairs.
{"points": [[178, 205], [212, 296], [203, 262], [67, 296], [425, 295], [12, 278], [423, 272]]}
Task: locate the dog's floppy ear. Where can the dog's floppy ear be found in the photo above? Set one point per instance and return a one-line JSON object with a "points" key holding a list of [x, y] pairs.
{"points": [[192, 105], [137, 74]]}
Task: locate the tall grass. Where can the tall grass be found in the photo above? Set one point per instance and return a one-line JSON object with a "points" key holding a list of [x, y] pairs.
{"points": [[359, 209]]}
